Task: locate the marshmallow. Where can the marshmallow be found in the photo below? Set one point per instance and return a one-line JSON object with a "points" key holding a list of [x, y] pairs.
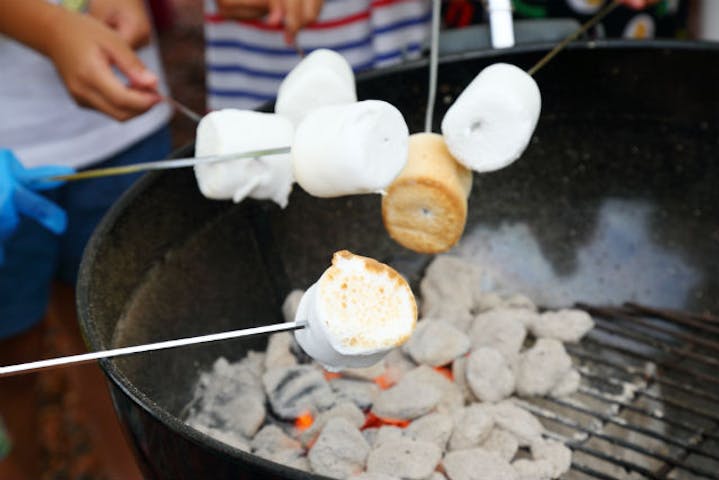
{"points": [[425, 208], [322, 78], [350, 149], [235, 131], [355, 313], [491, 122]]}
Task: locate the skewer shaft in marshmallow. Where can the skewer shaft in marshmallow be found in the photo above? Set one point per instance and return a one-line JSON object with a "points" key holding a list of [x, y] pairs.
{"points": [[228, 131]]}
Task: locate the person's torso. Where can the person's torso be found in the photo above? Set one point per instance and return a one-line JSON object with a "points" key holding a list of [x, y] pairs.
{"points": [[246, 61]]}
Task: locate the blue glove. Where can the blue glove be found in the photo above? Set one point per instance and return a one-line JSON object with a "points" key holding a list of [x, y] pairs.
{"points": [[17, 196]]}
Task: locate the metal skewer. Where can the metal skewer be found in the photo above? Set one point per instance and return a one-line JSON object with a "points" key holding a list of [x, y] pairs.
{"points": [[167, 164], [183, 109], [433, 65], [571, 37], [150, 347]]}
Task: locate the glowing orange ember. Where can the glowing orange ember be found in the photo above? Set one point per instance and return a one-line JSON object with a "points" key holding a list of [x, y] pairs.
{"points": [[304, 421], [331, 375], [373, 421], [446, 371], [384, 381]]}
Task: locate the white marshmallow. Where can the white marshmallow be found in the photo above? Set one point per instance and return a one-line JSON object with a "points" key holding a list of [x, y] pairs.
{"points": [[355, 313], [491, 122], [234, 131], [322, 78], [350, 149]]}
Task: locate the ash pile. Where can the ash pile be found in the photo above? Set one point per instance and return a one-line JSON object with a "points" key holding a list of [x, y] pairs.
{"points": [[449, 404]]}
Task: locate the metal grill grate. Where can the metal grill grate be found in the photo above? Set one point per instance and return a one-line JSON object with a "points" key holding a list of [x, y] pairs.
{"points": [[648, 407]]}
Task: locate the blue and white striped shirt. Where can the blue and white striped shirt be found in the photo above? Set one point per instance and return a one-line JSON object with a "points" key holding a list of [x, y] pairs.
{"points": [[247, 60]]}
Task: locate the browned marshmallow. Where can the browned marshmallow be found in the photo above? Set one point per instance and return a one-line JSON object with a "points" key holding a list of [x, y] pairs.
{"points": [[425, 209], [356, 312]]}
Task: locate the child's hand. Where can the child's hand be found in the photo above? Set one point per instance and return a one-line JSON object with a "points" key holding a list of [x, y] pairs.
{"points": [[295, 14], [84, 52], [129, 18]]}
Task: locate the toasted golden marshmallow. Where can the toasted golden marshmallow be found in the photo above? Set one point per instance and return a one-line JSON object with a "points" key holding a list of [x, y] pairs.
{"points": [[425, 208], [355, 313]]}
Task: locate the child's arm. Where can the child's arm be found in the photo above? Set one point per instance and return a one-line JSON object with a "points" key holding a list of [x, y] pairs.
{"points": [[84, 52]]}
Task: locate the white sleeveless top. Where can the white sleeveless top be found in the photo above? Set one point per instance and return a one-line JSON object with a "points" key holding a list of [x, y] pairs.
{"points": [[247, 60], [42, 124]]}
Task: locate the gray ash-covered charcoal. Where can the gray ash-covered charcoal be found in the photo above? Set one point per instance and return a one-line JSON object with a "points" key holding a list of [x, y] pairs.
{"points": [[435, 428], [405, 458], [568, 385], [243, 414], [227, 380], [397, 364], [255, 361], [387, 433], [346, 410], [296, 390], [554, 452], [489, 375], [485, 301], [519, 422], [533, 469], [372, 476], [436, 476], [360, 392], [455, 315], [501, 329], [407, 400], [230, 398], [340, 450], [273, 444], [370, 435], [501, 442], [366, 373], [436, 343], [289, 306], [300, 463], [542, 367], [477, 464], [272, 438], [472, 426], [450, 280], [452, 397], [568, 325], [459, 369], [231, 438], [279, 351], [517, 300]]}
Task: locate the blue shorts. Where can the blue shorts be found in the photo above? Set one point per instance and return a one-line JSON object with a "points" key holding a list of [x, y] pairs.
{"points": [[35, 257]]}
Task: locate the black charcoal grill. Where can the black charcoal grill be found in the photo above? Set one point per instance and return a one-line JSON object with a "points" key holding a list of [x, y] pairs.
{"points": [[615, 201]]}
